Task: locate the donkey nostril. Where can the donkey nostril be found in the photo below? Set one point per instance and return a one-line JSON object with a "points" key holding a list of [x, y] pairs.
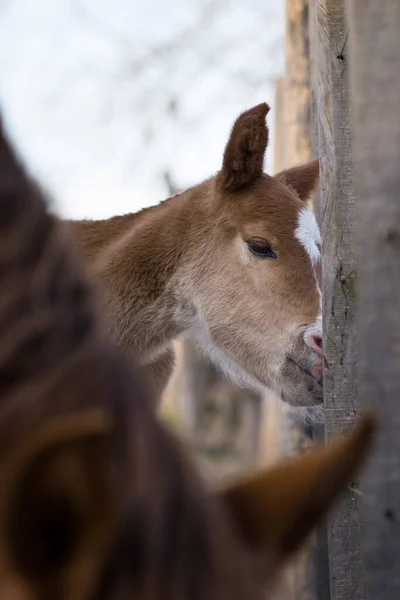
{"points": [[318, 340], [315, 342]]}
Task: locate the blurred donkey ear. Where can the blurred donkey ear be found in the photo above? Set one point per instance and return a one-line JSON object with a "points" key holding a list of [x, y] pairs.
{"points": [[58, 507], [275, 510]]}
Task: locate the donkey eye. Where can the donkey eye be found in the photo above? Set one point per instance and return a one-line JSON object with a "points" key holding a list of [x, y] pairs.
{"points": [[260, 248]]}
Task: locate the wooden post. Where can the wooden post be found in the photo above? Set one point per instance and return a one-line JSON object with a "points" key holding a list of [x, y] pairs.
{"points": [[374, 70], [312, 27], [297, 83], [249, 438], [194, 379], [279, 137], [339, 279]]}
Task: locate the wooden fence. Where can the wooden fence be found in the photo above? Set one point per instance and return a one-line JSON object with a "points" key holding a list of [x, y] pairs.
{"points": [[340, 100]]}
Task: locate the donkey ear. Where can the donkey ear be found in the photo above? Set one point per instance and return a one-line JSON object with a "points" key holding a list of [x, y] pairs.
{"points": [[276, 510], [57, 506], [244, 153], [303, 179]]}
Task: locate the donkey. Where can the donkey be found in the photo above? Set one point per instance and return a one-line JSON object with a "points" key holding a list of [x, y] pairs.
{"points": [[97, 499], [233, 262]]}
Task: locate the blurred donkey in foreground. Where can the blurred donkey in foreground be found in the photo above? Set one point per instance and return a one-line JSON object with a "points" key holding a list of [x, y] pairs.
{"points": [[97, 499]]}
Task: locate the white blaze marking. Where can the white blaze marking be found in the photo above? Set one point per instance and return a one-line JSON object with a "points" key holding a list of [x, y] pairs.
{"points": [[307, 233]]}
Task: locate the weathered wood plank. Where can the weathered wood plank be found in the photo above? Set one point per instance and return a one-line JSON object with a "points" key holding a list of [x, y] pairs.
{"points": [[195, 377], [279, 125], [312, 28], [297, 114], [337, 207], [375, 68]]}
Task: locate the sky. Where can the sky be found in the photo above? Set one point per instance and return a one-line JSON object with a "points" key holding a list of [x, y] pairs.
{"points": [[102, 98]]}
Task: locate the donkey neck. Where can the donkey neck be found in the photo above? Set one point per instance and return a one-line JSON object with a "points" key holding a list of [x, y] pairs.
{"points": [[136, 259]]}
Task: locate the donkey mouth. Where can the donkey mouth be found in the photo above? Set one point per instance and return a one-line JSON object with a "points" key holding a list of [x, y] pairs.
{"points": [[307, 371]]}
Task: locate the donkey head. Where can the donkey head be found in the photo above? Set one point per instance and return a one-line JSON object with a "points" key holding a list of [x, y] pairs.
{"points": [[258, 301]]}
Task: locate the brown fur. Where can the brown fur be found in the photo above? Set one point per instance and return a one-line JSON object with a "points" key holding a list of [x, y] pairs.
{"points": [[244, 156], [97, 499], [298, 178], [183, 268]]}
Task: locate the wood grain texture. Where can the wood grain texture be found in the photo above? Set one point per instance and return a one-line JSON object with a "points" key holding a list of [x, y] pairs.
{"points": [[337, 206], [375, 68]]}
